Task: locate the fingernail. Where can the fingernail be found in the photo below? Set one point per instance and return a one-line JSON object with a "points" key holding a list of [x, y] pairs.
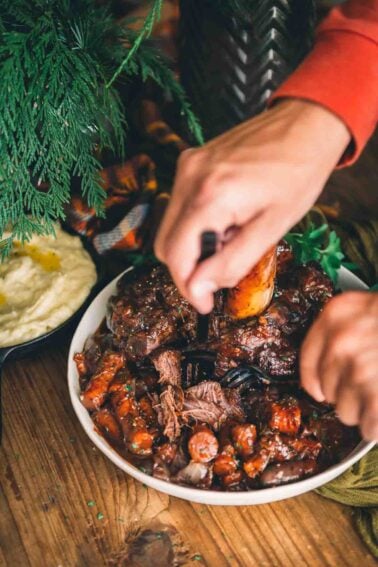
{"points": [[202, 288], [319, 396]]}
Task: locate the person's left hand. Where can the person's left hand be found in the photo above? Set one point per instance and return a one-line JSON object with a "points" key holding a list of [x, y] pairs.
{"points": [[339, 360]]}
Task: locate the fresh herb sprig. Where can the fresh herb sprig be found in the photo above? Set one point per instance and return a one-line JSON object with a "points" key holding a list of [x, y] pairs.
{"points": [[317, 244]]}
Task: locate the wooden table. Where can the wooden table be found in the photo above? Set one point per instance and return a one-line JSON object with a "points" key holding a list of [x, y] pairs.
{"points": [[62, 503]]}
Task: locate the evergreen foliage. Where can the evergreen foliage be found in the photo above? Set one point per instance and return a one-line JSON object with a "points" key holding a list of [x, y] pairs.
{"points": [[59, 105]]}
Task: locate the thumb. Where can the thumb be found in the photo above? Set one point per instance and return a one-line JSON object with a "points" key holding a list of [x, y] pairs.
{"points": [[233, 262]]}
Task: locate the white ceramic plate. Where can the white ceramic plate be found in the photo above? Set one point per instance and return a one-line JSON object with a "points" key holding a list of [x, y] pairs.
{"points": [[90, 322]]}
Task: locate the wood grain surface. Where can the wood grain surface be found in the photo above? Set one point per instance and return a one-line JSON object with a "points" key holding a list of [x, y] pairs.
{"points": [[63, 504]]}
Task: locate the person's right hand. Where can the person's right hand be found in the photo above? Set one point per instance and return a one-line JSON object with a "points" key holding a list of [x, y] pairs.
{"points": [[262, 177]]}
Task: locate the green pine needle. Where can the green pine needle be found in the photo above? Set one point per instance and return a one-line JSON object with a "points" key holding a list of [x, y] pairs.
{"points": [[59, 107], [145, 32]]}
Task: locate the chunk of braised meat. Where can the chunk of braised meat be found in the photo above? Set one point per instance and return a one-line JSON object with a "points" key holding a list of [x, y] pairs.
{"points": [[334, 436], [290, 312], [285, 258], [278, 447], [256, 464], [218, 319], [280, 359], [232, 479], [209, 403], [313, 283], [160, 469], [108, 425], [167, 452], [162, 329], [284, 416], [265, 341], [203, 445], [147, 382], [181, 458], [148, 311], [167, 362], [283, 473], [96, 390], [169, 408], [94, 348], [255, 403], [241, 342], [88, 360]]}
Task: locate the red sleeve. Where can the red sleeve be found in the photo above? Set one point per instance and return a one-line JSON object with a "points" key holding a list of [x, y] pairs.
{"points": [[341, 72]]}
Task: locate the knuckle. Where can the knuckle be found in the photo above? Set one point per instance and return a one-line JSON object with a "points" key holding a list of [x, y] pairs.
{"points": [[214, 186], [361, 372], [341, 343], [208, 190], [189, 160], [332, 309], [373, 405]]}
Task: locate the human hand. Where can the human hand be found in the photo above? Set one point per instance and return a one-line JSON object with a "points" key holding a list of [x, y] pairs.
{"points": [[339, 359], [261, 177]]}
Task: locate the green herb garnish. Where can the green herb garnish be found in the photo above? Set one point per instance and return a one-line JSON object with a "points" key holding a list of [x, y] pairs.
{"points": [[91, 503], [100, 516], [320, 245]]}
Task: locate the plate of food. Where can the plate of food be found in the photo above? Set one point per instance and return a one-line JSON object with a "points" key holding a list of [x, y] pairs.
{"points": [[220, 422], [43, 286]]}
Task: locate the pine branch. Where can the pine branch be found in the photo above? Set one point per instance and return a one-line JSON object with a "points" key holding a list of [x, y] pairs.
{"points": [[59, 107], [145, 32], [149, 63]]}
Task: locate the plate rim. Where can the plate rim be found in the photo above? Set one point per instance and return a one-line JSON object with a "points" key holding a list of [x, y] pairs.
{"points": [[212, 497]]}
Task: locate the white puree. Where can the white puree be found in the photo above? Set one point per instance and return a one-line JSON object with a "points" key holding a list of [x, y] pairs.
{"points": [[42, 284]]}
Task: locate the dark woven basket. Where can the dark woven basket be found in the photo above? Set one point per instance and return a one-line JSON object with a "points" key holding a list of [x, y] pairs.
{"points": [[230, 66]]}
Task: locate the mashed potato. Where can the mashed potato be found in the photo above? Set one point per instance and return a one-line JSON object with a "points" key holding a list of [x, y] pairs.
{"points": [[42, 284]]}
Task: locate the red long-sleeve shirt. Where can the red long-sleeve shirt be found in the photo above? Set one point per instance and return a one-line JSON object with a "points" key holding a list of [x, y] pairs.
{"points": [[341, 72]]}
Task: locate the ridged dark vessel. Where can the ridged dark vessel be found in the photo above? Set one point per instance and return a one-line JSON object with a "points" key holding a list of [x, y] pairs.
{"points": [[230, 65]]}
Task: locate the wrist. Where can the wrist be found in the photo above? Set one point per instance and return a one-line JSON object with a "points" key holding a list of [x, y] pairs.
{"points": [[319, 131]]}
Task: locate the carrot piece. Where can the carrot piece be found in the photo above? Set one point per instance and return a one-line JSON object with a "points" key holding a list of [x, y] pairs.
{"points": [[203, 445], [253, 293]]}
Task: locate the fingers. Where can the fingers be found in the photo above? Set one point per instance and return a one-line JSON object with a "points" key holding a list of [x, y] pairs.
{"points": [[349, 405], [216, 206], [310, 354], [235, 260], [369, 414]]}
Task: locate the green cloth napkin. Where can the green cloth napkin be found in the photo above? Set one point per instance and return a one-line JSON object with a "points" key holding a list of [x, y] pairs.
{"points": [[358, 486]]}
